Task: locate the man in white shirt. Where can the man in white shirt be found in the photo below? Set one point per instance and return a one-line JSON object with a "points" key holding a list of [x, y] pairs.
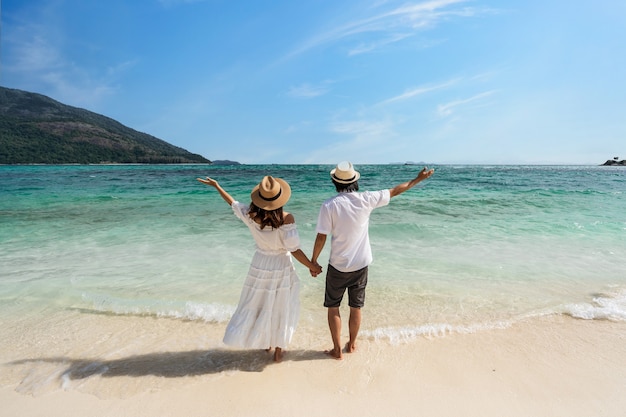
{"points": [[346, 218]]}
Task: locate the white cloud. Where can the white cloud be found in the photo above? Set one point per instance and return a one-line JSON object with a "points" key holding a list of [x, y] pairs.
{"points": [[32, 54], [297, 127], [357, 140], [447, 109], [308, 91], [121, 68], [35, 60], [361, 128], [369, 47], [65, 88], [418, 91], [393, 25]]}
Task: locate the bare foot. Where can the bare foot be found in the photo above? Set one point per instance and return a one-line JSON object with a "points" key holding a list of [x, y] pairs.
{"points": [[278, 355], [335, 353], [350, 347]]}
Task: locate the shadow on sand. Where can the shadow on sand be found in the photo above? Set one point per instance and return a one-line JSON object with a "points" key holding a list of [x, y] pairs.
{"points": [[174, 364]]}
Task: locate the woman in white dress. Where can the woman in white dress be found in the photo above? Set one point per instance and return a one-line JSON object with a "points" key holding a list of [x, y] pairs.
{"points": [[268, 309]]}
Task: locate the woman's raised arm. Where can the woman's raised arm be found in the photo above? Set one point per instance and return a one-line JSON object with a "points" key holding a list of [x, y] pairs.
{"points": [[213, 183]]}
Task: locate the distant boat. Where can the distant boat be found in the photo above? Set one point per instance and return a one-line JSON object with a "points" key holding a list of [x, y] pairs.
{"points": [[407, 163]]}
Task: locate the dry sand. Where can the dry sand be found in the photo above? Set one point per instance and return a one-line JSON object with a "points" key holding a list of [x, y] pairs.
{"points": [[549, 366]]}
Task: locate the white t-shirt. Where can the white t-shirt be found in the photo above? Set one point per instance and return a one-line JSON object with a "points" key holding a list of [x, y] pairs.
{"points": [[346, 218]]}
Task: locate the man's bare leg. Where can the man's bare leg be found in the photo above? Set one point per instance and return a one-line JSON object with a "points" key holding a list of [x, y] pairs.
{"points": [[334, 323], [354, 326]]}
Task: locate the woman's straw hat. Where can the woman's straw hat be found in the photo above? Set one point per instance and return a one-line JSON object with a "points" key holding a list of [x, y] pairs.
{"points": [[271, 193], [345, 173]]}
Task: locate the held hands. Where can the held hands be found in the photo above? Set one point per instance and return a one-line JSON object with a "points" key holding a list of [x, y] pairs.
{"points": [[315, 270]]}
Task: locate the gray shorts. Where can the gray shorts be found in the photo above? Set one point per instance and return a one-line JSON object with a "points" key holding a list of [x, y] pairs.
{"points": [[337, 282]]}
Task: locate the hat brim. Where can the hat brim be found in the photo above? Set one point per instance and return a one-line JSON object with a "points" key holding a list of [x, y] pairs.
{"points": [[281, 200], [356, 177]]}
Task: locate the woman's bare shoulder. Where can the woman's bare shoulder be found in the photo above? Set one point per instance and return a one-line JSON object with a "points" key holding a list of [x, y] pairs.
{"points": [[288, 218]]}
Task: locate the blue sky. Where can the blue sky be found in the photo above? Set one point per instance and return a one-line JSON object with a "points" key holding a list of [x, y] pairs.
{"points": [[442, 81]]}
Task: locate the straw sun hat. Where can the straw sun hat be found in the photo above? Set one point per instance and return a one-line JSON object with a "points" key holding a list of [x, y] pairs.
{"points": [[271, 193], [344, 173]]}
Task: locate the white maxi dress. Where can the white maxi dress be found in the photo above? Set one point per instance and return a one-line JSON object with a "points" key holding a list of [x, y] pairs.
{"points": [[269, 305]]}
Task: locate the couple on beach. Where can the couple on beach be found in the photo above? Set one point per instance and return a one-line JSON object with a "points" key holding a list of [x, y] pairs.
{"points": [[269, 305]]}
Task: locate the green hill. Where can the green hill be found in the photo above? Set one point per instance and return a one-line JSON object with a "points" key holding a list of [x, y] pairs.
{"points": [[34, 129]]}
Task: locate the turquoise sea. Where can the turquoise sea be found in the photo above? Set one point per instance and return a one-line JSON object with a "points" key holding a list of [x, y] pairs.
{"points": [[471, 249]]}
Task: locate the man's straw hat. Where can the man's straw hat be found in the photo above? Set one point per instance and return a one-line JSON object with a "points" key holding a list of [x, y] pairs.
{"points": [[344, 173]]}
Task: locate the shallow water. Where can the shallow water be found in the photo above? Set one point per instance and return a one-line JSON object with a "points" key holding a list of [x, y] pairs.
{"points": [[473, 247]]}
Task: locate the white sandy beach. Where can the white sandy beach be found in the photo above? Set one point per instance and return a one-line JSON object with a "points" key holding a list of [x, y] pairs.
{"points": [[549, 366]]}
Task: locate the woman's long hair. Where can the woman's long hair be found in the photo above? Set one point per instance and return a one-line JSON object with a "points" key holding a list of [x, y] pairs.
{"points": [[273, 218]]}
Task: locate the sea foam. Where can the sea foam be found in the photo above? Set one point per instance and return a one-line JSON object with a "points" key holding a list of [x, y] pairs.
{"points": [[188, 310], [396, 335], [602, 307]]}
